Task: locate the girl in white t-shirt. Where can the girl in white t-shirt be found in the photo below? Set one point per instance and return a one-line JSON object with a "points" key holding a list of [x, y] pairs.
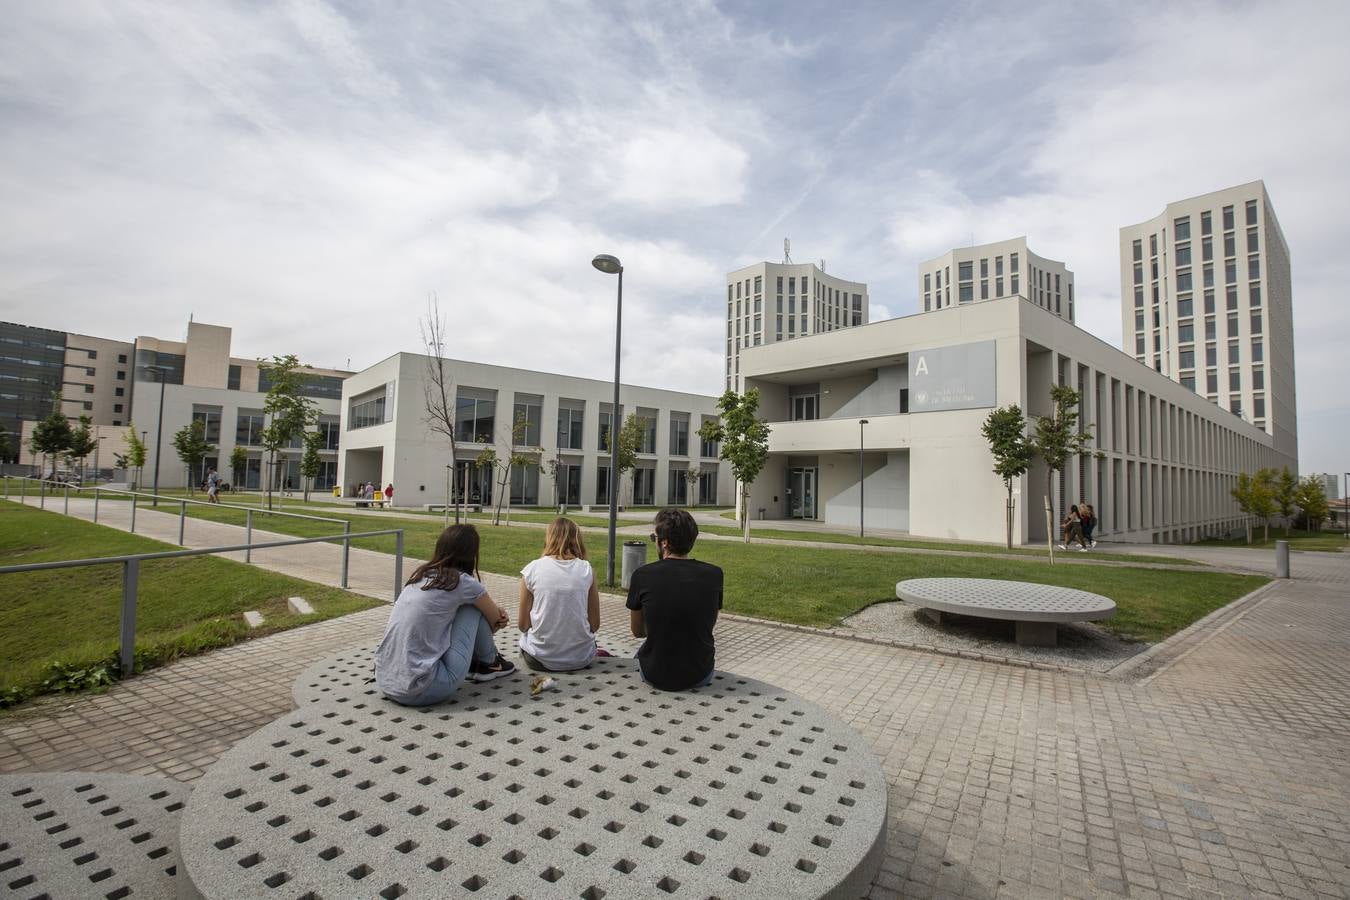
{"points": [[559, 603]]}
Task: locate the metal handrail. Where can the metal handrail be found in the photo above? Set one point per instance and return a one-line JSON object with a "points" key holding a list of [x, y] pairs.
{"points": [[182, 512], [131, 575]]}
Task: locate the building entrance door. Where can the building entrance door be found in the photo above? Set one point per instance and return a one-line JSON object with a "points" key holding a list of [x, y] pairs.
{"points": [[801, 493]]}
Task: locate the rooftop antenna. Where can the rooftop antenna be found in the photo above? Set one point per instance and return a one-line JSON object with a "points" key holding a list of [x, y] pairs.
{"points": [[787, 252], [822, 265]]}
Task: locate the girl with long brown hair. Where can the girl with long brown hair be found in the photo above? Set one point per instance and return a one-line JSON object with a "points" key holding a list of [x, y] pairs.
{"points": [[441, 628], [559, 603]]}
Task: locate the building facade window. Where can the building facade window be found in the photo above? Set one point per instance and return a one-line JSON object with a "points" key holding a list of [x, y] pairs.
{"points": [[475, 415], [679, 434], [366, 409], [248, 428], [526, 419], [571, 424]]}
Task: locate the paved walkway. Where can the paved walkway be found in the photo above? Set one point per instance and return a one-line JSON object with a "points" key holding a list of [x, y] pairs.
{"points": [[1221, 772]]}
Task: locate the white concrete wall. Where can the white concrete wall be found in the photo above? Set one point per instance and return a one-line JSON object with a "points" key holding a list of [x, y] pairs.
{"points": [[1166, 471], [414, 458]]}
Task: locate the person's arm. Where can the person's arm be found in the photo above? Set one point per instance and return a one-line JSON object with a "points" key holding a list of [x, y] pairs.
{"points": [[526, 604], [593, 606], [637, 623], [495, 615]]}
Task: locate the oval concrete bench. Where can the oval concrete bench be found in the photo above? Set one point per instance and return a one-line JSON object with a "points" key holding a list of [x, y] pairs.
{"points": [[1033, 608], [602, 787]]}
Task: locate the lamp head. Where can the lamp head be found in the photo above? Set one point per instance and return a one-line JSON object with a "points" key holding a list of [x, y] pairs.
{"points": [[610, 265], [862, 421]]}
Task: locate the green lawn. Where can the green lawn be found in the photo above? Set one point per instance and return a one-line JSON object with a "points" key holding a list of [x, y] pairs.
{"points": [[1322, 541], [832, 537], [186, 606], [820, 586]]}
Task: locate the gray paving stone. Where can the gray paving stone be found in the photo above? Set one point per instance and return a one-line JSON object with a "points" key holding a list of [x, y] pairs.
{"points": [[76, 834], [602, 787]]}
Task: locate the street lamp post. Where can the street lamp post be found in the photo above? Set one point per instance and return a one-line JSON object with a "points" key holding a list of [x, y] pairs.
{"points": [[610, 265], [861, 475], [159, 431]]}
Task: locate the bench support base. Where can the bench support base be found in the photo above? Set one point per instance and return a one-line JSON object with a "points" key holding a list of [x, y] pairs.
{"points": [[1036, 634]]}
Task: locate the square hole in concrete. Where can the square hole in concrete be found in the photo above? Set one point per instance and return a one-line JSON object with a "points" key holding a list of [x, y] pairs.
{"points": [[330, 854], [738, 874], [625, 866], [439, 864]]}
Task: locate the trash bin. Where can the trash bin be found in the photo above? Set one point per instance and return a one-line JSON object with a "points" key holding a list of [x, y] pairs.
{"points": [[634, 558]]}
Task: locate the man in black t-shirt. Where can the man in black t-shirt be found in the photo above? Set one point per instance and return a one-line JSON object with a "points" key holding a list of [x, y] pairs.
{"points": [[673, 603]]}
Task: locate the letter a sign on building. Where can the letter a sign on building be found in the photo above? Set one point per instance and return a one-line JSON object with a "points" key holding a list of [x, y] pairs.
{"points": [[958, 377]]}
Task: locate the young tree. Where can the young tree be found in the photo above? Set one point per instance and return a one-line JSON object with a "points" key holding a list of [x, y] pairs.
{"points": [[1311, 497], [238, 464], [630, 442], [1242, 495], [1006, 431], [1057, 438], [135, 452], [311, 464], [51, 437], [1263, 499], [439, 385], [691, 478], [82, 442], [1285, 494], [744, 439], [192, 447], [518, 457], [289, 411]]}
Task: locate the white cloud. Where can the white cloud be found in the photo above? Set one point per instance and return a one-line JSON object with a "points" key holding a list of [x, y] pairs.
{"points": [[664, 168]]}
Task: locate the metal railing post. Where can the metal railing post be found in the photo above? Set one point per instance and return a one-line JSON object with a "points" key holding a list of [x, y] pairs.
{"points": [[95, 506], [248, 536], [346, 551], [131, 570], [398, 563], [6, 487], [23, 491], [133, 513], [65, 511], [182, 520], [42, 494]]}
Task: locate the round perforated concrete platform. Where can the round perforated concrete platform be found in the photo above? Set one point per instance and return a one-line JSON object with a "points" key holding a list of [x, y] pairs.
{"points": [[601, 788], [77, 834], [1014, 600]]}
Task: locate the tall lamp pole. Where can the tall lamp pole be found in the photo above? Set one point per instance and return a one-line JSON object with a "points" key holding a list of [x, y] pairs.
{"points": [[159, 431], [861, 475], [610, 265]]}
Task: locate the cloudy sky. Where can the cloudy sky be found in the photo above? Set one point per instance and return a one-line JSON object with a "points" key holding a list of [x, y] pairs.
{"points": [[310, 171]]}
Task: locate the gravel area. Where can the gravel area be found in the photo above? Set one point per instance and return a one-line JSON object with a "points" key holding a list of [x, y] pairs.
{"points": [[1082, 645]]}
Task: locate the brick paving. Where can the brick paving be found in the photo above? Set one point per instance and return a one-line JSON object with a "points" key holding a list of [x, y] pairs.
{"points": [[1220, 770]]}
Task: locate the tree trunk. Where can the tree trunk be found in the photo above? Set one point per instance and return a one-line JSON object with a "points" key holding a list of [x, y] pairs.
{"points": [[745, 510], [1008, 518]]}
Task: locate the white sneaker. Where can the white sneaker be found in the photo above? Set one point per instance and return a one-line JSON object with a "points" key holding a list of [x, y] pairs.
{"points": [[1082, 549], [1094, 544], [1062, 547]]}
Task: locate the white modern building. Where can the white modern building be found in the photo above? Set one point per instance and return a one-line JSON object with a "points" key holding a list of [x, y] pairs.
{"points": [[991, 271], [116, 384], [1330, 484], [557, 424], [890, 436], [768, 303], [1206, 300], [201, 380]]}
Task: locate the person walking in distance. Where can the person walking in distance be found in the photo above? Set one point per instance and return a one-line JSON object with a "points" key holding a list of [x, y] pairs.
{"points": [[212, 486]]}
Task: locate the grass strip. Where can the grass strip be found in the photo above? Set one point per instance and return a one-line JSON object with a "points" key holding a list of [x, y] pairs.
{"points": [[186, 606], [820, 586]]}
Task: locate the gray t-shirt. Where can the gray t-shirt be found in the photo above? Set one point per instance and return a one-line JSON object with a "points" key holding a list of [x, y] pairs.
{"points": [[418, 635]]}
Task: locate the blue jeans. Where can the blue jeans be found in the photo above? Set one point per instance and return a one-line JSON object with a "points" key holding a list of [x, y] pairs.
{"points": [[470, 637]]}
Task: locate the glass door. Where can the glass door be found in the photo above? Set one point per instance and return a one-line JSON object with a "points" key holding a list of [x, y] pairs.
{"points": [[801, 493]]}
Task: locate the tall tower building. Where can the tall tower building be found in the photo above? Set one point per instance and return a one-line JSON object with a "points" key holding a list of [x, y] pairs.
{"points": [[771, 302], [990, 271], [1206, 300]]}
